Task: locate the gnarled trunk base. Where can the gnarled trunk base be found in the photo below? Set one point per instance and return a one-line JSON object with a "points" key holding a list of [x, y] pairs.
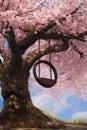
{"points": [[24, 116], [21, 113]]}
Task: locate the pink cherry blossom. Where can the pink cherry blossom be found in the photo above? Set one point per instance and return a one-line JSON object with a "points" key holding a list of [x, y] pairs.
{"points": [[28, 14]]}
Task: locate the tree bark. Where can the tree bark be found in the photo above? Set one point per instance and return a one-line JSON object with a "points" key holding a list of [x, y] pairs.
{"points": [[18, 110], [36, 54]]}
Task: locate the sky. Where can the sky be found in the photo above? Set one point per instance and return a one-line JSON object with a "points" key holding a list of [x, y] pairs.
{"points": [[67, 108]]}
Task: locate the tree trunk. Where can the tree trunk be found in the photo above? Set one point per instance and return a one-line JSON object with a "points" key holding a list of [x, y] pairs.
{"points": [[18, 110]]}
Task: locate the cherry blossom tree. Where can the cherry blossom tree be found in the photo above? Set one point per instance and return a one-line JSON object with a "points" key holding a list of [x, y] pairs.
{"points": [[64, 22]]}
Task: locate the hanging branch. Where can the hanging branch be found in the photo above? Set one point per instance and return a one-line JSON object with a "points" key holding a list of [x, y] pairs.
{"points": [[43, 33], [34, 55], [32, 37], [77, 50]]}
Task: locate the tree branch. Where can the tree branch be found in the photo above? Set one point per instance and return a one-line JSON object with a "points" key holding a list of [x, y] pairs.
{"points": [[33, 35], [45, 35], [16, 59], [77, 50], [32, 9], [2, 3], [35, 55], [54, 35]]}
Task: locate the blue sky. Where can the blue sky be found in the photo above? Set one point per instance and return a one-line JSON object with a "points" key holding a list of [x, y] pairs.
{"points": [[78, 105], [68, 108], [1, 102]]}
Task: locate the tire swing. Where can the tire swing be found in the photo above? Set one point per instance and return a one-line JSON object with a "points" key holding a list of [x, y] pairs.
{"points": [[45, 82]]}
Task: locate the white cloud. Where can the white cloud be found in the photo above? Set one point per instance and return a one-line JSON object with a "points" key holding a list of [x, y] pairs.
{"points": [[49, 105], [79, 116], [46, 104]]}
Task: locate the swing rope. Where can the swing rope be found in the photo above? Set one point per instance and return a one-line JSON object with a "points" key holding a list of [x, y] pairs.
{"points": [[39, 60], [45, 82], [50, 59]]}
